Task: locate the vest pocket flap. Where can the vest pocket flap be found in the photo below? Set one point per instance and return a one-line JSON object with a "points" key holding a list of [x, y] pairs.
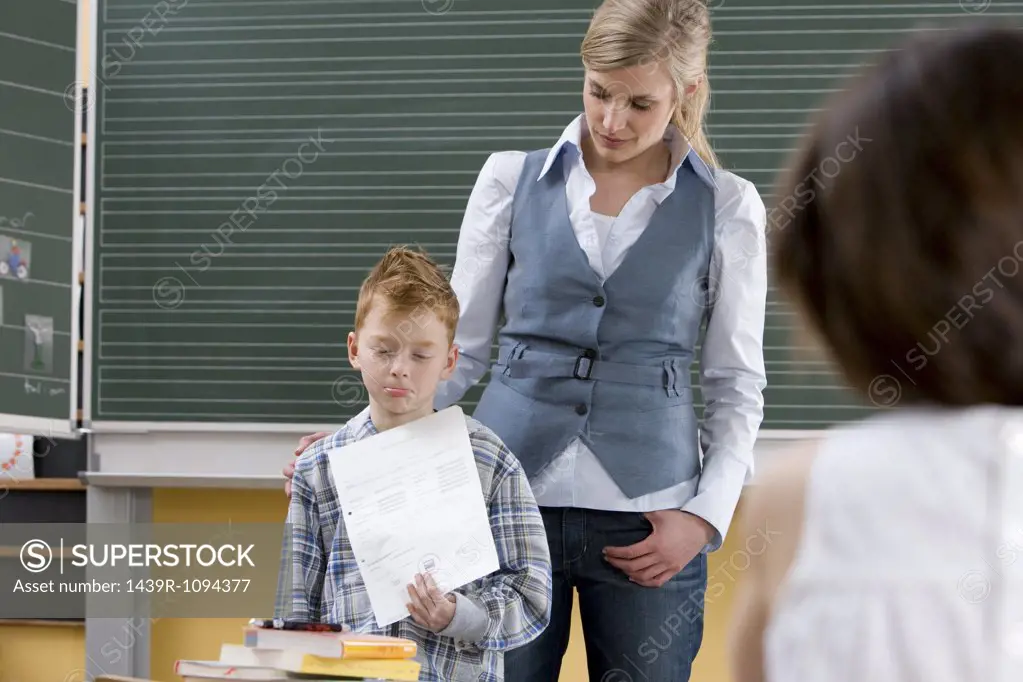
{"points": [[673, 412]]}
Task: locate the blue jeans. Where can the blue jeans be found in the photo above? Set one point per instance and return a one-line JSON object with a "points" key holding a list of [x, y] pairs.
{"points": [[632, 633]]}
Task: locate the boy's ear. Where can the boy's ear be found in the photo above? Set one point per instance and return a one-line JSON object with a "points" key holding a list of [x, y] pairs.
{"points": [[353, 350], [452, 362]]}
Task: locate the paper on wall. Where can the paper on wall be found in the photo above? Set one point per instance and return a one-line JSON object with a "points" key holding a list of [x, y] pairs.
{"points": [[16, 459]]}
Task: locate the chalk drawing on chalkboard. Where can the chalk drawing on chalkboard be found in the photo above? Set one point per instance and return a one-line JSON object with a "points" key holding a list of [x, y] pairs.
{"points": [[1, 306], [38, 344], [15, 257]]}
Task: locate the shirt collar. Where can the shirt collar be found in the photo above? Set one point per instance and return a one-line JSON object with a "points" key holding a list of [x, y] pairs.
{"points": [[361, 425], [681, 152]]}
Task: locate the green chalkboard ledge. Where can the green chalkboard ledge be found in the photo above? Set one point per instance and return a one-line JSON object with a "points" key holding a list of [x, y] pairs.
{"points": [[154, 480]]}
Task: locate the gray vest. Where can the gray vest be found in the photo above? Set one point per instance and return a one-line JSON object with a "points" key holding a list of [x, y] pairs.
{"points": [[606, 362]]}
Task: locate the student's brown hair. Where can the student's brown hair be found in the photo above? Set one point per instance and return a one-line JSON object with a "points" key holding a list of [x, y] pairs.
{"points": [[905, 251], [408, 282]]}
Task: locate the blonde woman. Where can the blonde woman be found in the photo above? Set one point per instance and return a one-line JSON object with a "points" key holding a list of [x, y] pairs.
{"points": [[898, 536], [605, 254]]}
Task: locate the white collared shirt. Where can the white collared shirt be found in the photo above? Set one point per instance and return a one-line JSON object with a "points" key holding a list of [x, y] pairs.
{"points": [[732, 364]]}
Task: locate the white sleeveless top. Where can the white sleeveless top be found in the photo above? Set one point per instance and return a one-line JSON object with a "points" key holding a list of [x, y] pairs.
{"points": [[910, 566]]}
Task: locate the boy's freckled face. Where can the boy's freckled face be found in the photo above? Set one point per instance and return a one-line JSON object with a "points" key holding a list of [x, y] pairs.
{"points": [[402, 357]]}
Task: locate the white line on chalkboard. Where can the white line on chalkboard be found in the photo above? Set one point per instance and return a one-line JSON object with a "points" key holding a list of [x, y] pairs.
{"points": [[375, 81], [217, 381], [264, 140], [39, 234], [219, 400], [257, 155], [32, 88], [225, 189], [218, 359], [303, 198], [34, 41], [34, 377], [315, 360], [344, 366], [174, 249], [209, 344], [755, 11], [345, 15], [229, 174], [271, 416], [367, 211], [348, 25], [62, 285], [368, 39], [574, 56], [340, 310], [384, 114], [55, 331], [446, 251], [392, 95], [36, 186], [291, 75], [267, 3], [234, 268], [66, 143], [260, 325], [378, 129]]}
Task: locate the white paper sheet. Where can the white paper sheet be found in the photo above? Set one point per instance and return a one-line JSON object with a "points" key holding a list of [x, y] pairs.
{"points": [[412, 503]]}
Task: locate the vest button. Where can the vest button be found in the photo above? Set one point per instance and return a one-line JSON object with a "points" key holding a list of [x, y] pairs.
{"points": [[598, 301], [580, 409]]}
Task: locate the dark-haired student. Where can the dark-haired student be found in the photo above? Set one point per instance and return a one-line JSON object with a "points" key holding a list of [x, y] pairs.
{"points": [[898, 534]]}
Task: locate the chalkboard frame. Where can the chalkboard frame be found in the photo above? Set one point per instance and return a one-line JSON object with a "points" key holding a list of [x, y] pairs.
{"points": [[42, 426]]}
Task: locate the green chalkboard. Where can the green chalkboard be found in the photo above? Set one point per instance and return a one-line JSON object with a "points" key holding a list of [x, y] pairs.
{"points": [[345, 127], [39, 170]]}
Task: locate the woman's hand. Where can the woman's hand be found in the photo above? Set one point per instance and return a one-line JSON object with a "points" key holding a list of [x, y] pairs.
{"points": [[677, 537], [289, 470]]}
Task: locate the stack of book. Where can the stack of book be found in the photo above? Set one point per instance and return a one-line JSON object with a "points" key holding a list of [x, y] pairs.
{"points": [[282, 654]]}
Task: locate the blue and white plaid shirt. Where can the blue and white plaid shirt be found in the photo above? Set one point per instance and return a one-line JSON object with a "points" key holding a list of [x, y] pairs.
{"points": [[500, 611]]}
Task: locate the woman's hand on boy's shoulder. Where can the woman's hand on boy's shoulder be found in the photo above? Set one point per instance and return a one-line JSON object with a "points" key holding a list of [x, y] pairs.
{"points": [[303, 444]]}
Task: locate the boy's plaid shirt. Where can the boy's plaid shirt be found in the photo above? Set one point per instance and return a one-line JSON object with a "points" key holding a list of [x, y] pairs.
{"points": [[500, 611]]}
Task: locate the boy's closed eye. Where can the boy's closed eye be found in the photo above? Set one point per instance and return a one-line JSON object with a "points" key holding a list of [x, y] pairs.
{"points": [[386, 352]]}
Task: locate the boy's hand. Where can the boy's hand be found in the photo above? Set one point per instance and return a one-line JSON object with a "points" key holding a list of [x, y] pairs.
{"points": [[429, 607]]}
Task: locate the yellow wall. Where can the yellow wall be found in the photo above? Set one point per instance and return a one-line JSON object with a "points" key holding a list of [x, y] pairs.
{"points": [[42, 654]]}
